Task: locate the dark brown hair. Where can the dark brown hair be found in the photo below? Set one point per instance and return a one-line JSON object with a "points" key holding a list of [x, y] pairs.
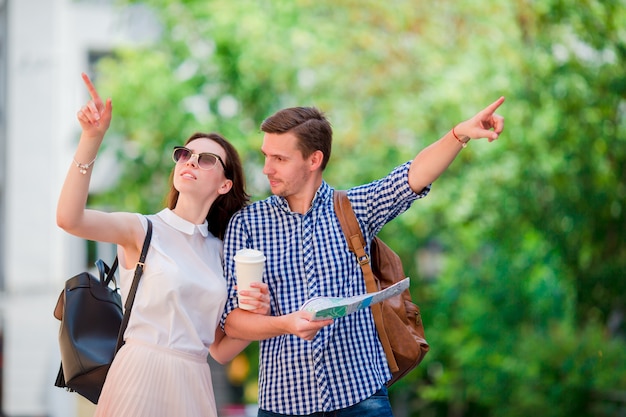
{"points": [[227, 204], [308, 124]]}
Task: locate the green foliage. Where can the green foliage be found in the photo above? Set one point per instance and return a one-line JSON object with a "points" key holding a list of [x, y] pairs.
{"points": [[525, 235]]}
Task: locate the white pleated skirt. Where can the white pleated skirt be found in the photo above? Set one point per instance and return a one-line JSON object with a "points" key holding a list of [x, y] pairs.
{"points": [[152, 381]]}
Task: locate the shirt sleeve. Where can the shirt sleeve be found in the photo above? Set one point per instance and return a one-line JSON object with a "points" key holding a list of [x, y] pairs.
{"points": [[234, 239], [377, 203]]}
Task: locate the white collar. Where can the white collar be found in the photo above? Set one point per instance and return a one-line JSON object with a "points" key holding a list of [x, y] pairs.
{"points": [[178, 223]]}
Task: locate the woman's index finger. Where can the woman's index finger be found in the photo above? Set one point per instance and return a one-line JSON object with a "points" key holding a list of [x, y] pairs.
{"points": [[90, 87]]}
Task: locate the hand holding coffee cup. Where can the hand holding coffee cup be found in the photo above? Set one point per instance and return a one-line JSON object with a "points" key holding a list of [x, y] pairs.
{"points": [[249, 265]]}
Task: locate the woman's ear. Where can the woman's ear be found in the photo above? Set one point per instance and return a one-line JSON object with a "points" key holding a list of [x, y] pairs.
{"points": [[225, 187]]}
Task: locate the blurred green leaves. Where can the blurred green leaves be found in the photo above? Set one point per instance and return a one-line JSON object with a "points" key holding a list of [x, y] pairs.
{"points": [[522, 240]]}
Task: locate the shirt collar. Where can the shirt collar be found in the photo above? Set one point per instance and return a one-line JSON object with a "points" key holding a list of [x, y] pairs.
{"points": [[180, 224], [321, 195]]}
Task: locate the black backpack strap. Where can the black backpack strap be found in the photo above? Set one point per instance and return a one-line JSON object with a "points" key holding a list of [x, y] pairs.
{"points": [[133, 289], [105, 273]]}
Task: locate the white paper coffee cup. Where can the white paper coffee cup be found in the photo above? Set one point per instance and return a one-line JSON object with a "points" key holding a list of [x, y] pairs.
{"points": [[249, 264]]}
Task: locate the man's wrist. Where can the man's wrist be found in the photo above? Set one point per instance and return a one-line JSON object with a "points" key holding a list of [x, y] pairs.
{"points": [[463, 140]]}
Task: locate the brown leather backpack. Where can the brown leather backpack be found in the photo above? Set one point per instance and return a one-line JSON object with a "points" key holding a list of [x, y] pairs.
{"points": [[398, 320]]}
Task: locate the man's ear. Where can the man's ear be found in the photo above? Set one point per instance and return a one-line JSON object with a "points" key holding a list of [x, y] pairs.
{"points": [[316, 159]]}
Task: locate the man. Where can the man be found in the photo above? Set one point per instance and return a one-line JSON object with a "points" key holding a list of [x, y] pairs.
{"points": [[323, 368]]}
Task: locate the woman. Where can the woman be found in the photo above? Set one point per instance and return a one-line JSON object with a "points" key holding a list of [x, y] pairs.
{"points": [[162, 369]]}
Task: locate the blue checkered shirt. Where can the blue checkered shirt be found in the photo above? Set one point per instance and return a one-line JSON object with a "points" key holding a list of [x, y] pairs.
{"points": [[307, 256]]}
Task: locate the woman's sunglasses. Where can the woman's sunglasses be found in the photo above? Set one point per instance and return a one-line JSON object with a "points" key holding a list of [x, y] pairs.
{"points": [[206, 160]]}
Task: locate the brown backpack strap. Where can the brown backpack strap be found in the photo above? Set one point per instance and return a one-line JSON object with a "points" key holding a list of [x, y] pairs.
{"points": [[356, 243]]}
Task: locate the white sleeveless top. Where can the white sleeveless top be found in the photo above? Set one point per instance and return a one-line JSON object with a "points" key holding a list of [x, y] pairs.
{"points": [[182, 292]]}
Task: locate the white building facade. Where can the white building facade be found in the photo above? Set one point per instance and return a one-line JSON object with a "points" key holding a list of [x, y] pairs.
{"points": [[44, 46]]}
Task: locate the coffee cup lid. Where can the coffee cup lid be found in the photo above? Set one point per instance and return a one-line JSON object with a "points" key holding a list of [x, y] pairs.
{"points": [[249, 255]]}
